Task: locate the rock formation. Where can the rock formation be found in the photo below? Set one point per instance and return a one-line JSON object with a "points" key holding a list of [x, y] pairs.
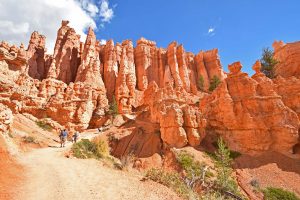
{"points": [[160, 87], [249, 114], [67, 53], [89, 69], [288, 56], [6, 118], [179, 122], [146, 60], [36, 56], [111, 67], [126, 81]]}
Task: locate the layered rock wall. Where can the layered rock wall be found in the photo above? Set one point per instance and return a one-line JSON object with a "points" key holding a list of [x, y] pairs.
{"points": [[250, 114], [121, 69], [180, 122], [288, 56], [76, 84]]}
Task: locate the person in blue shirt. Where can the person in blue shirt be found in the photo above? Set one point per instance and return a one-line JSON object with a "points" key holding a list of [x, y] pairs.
{"points": [[63, 137]]}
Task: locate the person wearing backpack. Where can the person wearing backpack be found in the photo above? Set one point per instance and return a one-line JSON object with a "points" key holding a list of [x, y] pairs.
{"points": [[63, 137], [60, 137], [75, 136]]}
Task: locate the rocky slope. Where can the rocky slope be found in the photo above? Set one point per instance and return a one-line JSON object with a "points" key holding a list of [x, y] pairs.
{"points": [[160, 87]]}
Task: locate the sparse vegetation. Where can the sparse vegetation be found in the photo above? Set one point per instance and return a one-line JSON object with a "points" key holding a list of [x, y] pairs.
{"points": [[268, 63], [271, 193], [213, 195], [254, 183], [214, 82], [200, 83], [126, 161], [113, 107], [10, 135], [195, 171], [29, 139], [44, 125], [85, 148], [171, 180], [197, 181], [233, 154], [225, 183]]}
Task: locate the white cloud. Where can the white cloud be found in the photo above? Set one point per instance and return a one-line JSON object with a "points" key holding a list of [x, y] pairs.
{"points": [[13, 28], [19, 18], [102, 41], [93, 9], [211, 31], [106, 13], [90, 7]]}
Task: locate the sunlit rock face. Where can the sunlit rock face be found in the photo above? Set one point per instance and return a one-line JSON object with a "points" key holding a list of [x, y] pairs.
{"points": [[166, 88], [250, 114], [288, 57]]}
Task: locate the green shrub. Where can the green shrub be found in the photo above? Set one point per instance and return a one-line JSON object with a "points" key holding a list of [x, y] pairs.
{"points": [[91, 149], [214, 82], [200, 83], [195, 171], [268, 63], [254, 183], [102, 146], [44, 125], [171, 180], [113, 107], [10, 135], [223, 162], [213, 195], [29, 139], [126, 161], [271, 193], [234, 154]]}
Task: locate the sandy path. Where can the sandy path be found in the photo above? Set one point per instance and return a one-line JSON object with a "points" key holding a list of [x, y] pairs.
{"points": [[49, 175]]}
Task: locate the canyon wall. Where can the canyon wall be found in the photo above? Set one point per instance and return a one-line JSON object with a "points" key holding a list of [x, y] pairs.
{"points": [[75, 87], [250, 114], [288, 57]]}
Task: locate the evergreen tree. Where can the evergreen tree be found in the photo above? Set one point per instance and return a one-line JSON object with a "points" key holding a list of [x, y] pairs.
{"points": [[268, 63], [224, 179], [200, 83], [113, 107], [214, 82]]}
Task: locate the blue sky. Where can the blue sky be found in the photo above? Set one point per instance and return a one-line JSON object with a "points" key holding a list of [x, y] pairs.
{"points": [[238, 28]]}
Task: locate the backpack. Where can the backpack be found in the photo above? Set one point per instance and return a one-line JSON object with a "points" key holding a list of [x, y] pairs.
{"points": [[65, 134]]}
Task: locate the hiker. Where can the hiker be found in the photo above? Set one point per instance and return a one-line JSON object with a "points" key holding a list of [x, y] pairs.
{"points": [[75, 136], [63, 137], [60, 136]]}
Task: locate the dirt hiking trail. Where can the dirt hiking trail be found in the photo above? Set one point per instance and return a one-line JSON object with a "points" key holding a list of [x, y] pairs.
{"points": [[49, 175]]}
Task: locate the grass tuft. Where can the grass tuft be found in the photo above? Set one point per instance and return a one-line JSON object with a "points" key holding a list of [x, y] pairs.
{"points": [[272, 193], [29, 139], [44, 125], [171, 180], [85, 149]]}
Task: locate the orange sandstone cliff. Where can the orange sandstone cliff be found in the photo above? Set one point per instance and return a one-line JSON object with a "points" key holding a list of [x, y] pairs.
{"points": [[158, 87]]}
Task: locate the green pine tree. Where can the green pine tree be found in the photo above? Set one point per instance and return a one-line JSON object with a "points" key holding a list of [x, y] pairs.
{"points": [[113, 107], [214, 82], [200, 83], [268, 63], [224, 179]]}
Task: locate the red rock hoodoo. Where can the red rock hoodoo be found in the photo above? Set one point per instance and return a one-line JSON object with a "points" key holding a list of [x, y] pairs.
{"points": [[73, 88]]}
